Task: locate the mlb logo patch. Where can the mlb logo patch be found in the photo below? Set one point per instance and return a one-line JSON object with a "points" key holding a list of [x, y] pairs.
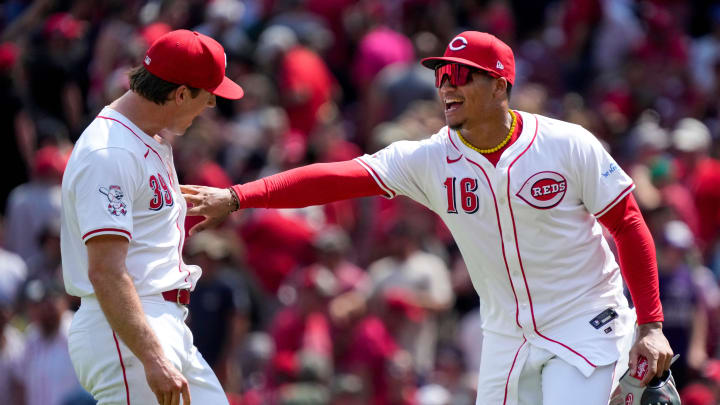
{"points": [[603, 318]]}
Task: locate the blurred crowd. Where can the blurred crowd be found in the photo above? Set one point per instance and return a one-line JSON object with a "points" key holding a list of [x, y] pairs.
{"points": [[365, 301]]}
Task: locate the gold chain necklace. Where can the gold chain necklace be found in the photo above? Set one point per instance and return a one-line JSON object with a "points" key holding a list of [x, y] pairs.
{"points": [[497, 148]]}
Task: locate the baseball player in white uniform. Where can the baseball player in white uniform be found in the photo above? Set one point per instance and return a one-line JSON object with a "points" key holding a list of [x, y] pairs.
{"points": [[522, 195], [123, 232]]}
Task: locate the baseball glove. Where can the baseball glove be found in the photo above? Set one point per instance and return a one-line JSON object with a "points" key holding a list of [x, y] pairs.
{"points": [[659, 391]]}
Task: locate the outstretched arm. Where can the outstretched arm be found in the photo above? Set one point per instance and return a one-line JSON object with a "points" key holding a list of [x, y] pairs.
{"points": [[638, 265], [315, 184]]}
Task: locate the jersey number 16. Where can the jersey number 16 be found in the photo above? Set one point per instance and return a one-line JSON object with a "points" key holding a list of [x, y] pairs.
{"points": [[468, 199]]}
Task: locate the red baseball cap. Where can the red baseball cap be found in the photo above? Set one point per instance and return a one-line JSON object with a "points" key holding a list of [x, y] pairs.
{"points": [[479, 50], [193, 59]]}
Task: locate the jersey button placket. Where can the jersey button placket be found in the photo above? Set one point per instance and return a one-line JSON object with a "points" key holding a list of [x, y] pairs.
{"points": [[525, 318], [501, 184], [508, 238]]}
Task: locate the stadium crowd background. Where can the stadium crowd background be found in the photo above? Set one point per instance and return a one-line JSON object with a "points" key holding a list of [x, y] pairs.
{"points": [[365, 301]]}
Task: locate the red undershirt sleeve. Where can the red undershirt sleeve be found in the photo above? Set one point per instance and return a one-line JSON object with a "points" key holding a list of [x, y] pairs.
{"points": [[315, 184], [636, 252], [323, 183]]}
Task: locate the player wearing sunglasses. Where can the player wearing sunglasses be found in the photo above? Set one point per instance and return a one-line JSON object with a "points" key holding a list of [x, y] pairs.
{"points": [[458, 75], [468, 95], [524, 196]]}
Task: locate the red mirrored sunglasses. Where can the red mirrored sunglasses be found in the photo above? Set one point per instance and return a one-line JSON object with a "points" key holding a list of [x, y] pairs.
{"points": [[459, 75]]}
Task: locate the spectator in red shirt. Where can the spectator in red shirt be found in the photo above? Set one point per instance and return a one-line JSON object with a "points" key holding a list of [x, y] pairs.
{"points": [[373, 352], [277, 243], [301, 332], [692, 140], [306, 85]]}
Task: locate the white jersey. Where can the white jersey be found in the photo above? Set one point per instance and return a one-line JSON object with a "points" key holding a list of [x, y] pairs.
{"points": [[122, 181], [527, 230]]}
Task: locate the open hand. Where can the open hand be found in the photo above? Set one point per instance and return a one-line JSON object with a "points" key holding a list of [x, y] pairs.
{"points": [[167, 383], [215, 204]]}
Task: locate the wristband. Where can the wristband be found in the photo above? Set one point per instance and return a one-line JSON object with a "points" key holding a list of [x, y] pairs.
{"points": [[234, 205]]}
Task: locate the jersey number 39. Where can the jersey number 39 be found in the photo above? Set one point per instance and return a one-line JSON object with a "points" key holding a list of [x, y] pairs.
{"points": [[163, 195], [468, 199]]}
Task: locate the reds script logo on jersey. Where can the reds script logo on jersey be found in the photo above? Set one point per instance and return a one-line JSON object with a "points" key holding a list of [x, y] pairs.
{"points": [[116, 205], [543, 190]]}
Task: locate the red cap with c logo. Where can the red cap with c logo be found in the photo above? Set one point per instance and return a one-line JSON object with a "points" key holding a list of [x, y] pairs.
{"points": [[479, 50], [193, 59]]}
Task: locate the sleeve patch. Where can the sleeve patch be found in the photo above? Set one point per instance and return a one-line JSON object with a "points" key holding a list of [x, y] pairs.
{"points": [[612, 169], [116, 206]]}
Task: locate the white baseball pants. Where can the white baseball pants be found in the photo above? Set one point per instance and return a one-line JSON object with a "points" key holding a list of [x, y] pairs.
{"points": [[108, 369], [530, 375]]}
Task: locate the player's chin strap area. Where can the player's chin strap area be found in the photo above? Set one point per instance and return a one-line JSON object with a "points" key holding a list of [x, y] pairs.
{"points": [[659, 391]]}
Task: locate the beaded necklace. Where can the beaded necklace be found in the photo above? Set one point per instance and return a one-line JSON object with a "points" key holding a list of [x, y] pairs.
{"points": [[500, 146]]}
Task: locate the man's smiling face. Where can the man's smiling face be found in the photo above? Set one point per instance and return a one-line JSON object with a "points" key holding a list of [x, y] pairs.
{"points": [[467, 103]]}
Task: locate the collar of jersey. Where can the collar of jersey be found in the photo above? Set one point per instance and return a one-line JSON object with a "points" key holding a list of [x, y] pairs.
{"points": [[524, 137], [109, 112]]}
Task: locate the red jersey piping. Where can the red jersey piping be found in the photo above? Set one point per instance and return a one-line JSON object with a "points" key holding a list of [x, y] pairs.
{"points": [[517, 247]]}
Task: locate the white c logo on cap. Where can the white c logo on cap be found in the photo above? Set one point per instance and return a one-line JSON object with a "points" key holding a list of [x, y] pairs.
{"points": [[463, 44]]}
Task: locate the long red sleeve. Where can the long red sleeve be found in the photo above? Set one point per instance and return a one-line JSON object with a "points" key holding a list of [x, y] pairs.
{"points": [[636, 252], [323, 183], [316, 184]]}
